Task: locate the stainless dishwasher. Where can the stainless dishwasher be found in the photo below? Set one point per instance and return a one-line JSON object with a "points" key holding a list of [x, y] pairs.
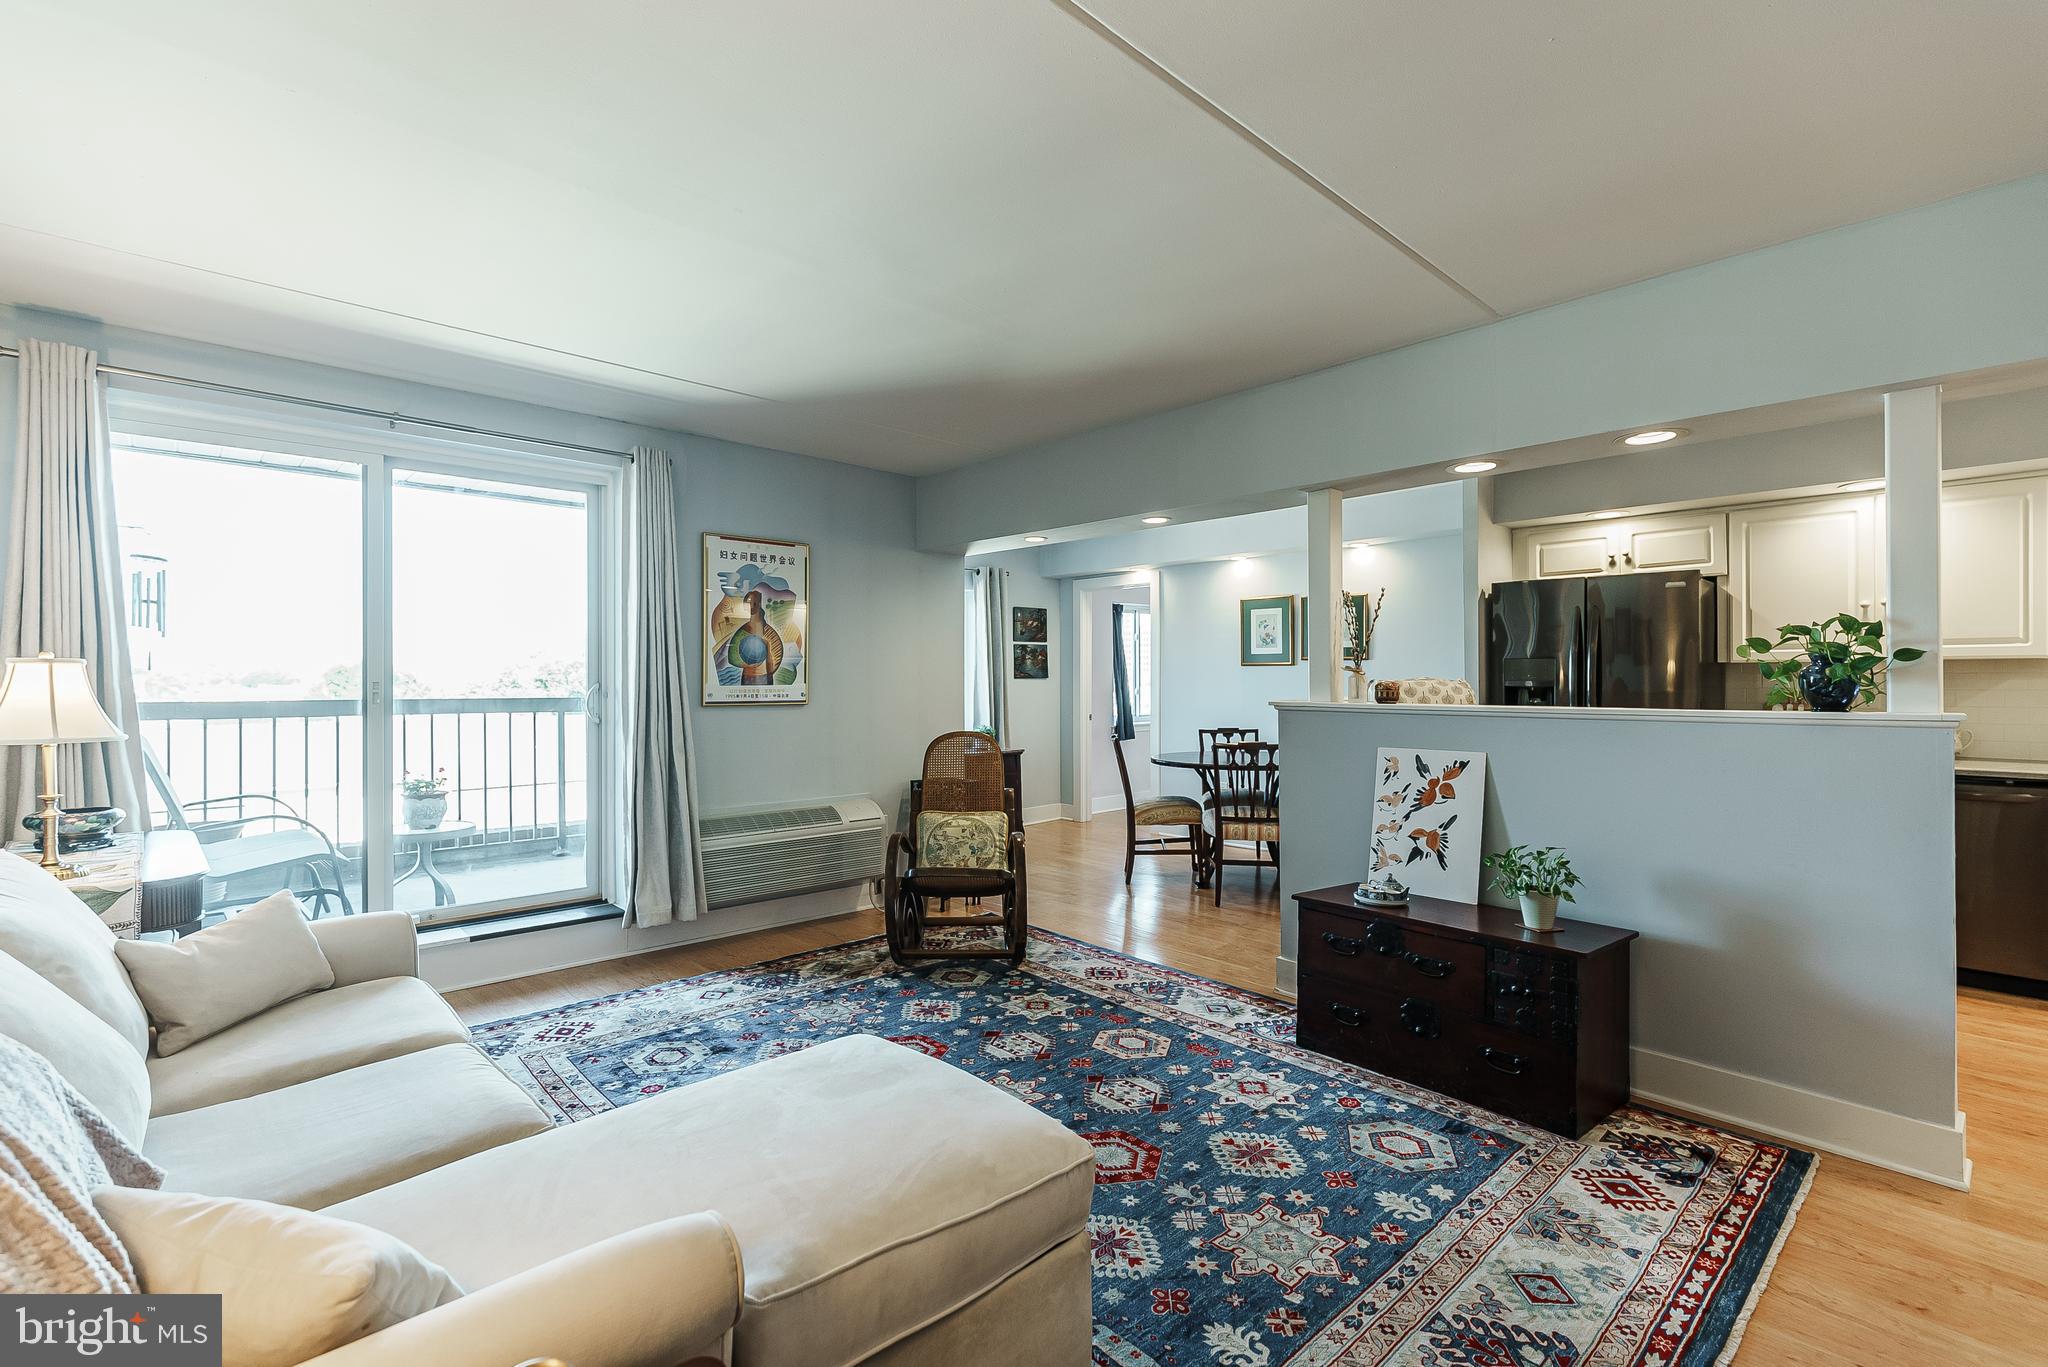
{"points": [[2002, 876]]}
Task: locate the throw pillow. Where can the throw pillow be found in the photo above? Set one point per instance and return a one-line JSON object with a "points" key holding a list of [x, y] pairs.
{"points": [[225, 974], [46, 926], [963, 840], [85, 1050], [293, 1284]]}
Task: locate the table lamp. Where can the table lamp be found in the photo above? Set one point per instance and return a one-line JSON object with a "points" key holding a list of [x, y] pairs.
{"points": [[48, 701]]}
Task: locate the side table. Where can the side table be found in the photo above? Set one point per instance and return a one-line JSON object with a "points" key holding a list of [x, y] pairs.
{"points": [[141, 882]]}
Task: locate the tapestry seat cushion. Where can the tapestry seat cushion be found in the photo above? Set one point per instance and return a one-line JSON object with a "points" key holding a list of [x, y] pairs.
{"points": [[872, 1191], [204, 983], [312, 1036], [963, 840], [52, 933], [325, 1140], [1249, 830], [1168, 811], [87, 1052], [292, 1284]]}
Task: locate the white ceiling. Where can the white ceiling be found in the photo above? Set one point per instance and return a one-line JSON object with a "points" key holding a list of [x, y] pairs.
{"points": [[911, 234]]}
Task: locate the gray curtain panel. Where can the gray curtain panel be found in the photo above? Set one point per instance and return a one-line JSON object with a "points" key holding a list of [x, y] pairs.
{"points": [[664, 879], [64, 590], [995, 605], [1119, 676]]}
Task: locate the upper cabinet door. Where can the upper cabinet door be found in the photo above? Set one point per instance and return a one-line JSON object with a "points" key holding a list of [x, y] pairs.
{"points": [[1681, 541], [1580, 548], [1800, 563], [1992, 600]]}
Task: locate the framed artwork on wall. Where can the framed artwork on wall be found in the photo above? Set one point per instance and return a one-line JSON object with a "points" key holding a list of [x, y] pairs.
{"points": [[1265, 630], [1029, 662], [757, 620], [1427, 809], [1027, 625]]}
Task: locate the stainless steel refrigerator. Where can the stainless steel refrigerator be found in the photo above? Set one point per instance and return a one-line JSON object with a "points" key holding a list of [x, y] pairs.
{"points": [[1611, 640]]}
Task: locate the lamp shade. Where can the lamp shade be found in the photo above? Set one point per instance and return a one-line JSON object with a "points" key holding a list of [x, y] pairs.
{"points": [[49, 700]]}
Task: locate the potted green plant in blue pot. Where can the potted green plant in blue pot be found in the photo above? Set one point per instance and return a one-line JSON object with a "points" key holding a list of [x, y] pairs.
{"points": [[1837, 664], [1537, 879]]}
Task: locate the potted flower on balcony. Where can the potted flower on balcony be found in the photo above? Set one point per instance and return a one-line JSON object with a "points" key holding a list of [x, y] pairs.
{"points": [[1535, 878], [426, 801]]}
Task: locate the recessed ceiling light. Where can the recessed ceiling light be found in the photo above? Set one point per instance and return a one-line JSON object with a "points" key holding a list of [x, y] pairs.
{"points": [[1240, 557], [1656, 436], [1034, 540], [1860, 486], [1155, 521], [1474, 467], [1604, 515]]}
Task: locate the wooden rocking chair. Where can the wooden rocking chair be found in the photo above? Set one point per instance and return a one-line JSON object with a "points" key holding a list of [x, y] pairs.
{"points": [[966, 841]]}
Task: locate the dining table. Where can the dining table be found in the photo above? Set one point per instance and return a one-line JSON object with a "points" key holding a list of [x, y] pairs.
{"points": [[1189, 759]]}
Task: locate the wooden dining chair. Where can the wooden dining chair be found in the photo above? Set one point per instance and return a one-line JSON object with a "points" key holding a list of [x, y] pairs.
{"points": [[1244, 779], [1158, 811]]}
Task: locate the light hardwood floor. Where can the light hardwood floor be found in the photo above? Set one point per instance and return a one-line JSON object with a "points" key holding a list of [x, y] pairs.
{"points": [[1879, 1268]]}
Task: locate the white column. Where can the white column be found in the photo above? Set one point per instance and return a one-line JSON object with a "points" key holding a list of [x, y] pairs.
{"points": [[1912, 596], [1488, 561], [1325, 594]]}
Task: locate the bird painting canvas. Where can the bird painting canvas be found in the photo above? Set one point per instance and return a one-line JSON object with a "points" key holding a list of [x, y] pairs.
{"points": [[1426, 814]]}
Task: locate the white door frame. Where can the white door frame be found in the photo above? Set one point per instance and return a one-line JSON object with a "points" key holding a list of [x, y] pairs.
{"points": [[1088, 596]]}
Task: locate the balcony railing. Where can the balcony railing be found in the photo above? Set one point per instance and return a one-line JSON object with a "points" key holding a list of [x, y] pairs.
{"points": [[516, 766]]}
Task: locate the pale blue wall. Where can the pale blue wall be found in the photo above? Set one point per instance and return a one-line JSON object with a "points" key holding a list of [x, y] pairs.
{"points": [[886, 664]]}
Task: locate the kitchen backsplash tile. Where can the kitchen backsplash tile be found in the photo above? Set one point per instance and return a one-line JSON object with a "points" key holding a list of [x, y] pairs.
{"points": [[2005, 703]]}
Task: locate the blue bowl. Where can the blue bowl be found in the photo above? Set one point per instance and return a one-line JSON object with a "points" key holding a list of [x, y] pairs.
{"points": [[82, 828]]}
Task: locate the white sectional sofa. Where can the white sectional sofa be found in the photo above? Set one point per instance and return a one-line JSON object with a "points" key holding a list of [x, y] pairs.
{"points": [[852, 1203]]}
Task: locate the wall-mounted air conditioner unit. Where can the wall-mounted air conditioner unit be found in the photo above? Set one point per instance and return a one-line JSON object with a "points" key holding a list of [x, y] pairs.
{"points": [[751, 856]]}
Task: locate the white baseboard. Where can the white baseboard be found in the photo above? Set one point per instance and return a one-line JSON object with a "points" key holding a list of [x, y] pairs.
{"points": [[1046, 811], [451, 966], [1917, 1148], [1283, 976], [1114, 802]]}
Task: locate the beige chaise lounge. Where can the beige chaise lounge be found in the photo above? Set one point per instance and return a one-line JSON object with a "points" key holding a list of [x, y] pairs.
{"points": [[853, 1203]]}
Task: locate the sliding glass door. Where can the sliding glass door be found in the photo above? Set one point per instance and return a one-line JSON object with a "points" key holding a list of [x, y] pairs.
{"points": [[373, 677]]}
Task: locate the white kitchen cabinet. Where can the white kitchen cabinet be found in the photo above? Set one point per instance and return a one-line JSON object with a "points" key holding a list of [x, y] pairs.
{"points": [[1800, 562], [1673, 541], [1993, 574]]}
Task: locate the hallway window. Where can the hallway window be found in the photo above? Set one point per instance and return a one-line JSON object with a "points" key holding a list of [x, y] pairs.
{"points": [[1137, 626]]}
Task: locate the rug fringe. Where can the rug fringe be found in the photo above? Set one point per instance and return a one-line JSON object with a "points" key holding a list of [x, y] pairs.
{"points": [[1763, 1275]]}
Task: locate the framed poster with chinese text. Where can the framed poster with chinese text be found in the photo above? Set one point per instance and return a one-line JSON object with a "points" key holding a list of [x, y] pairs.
{"points": [[757, 620]]}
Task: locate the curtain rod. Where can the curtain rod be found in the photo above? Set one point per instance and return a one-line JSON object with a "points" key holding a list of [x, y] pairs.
{"points": [[435, 423]]}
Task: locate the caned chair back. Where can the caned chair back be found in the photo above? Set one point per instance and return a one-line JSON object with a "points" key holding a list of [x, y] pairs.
{"points": [[963, 772], [1245, 777]]}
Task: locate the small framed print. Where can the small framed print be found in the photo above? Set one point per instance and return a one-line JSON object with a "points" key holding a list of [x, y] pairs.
{"points": [[1027, 625], [1029, 662], [1265, 630]]}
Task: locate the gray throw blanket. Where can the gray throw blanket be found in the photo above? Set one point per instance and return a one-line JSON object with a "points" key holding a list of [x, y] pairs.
{"points": [[54, 1149]]}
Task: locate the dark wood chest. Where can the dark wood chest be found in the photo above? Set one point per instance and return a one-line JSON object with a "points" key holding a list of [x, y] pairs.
{"points": [[1461, 999]]}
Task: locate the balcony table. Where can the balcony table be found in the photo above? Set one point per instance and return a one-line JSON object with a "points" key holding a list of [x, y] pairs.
{"points": [[423, 845]]}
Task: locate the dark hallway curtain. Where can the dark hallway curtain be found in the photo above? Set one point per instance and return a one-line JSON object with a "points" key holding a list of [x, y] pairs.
{"points": [[1119, 676]]}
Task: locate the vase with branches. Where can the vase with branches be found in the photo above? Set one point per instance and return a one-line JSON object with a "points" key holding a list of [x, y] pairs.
{"points": [[1361, 618]]}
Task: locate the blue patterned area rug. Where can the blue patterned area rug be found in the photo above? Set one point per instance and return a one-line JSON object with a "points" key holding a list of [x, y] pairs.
{"points": [[1255, 1203]]}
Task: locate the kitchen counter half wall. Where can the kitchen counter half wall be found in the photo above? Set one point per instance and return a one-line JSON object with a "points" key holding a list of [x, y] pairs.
{"points": [[1793, 877]]}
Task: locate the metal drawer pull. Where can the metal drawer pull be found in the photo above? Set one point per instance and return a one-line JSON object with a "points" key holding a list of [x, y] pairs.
{"points": [[1339, 945], [1430, 968], [1500, 1060], [1347, 1015]]}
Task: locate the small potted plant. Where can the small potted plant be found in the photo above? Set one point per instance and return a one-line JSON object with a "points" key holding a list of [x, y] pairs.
{"points": [[1839, 664], [1537, 879], [426, 801]]}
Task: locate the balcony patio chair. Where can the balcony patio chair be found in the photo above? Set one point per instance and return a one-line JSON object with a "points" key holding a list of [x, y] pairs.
{"points": [[274, 841], [965, 840]]}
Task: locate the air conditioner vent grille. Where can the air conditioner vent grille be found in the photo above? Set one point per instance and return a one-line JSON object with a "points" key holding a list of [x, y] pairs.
{"points": [[754, 856], [760, 823]]}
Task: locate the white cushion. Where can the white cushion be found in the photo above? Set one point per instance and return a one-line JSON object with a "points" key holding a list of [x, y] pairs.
{"points": [[47, 928], [292, 1284], [82, 1048], [318, 1142], [312, 1036], [206, 982], [871, 1189]]}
